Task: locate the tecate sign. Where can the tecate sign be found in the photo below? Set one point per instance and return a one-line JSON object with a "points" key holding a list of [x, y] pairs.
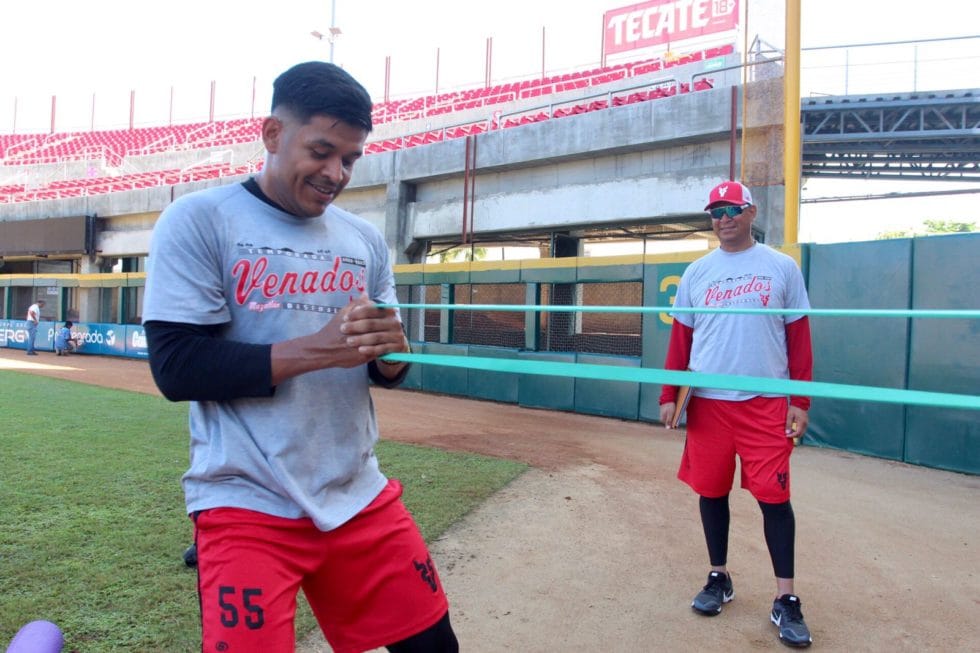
{"points": [[666, 21]]}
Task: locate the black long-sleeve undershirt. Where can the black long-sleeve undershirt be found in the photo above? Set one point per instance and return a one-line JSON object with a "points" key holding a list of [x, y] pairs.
{"points": [[191, 362]]}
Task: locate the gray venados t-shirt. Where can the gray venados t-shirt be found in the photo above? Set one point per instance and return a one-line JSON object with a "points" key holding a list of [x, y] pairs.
{"points": [[223, 256], [742, 344]]}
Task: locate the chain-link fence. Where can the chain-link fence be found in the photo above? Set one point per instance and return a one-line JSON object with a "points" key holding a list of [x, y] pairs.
{"points": [[482, 327], [592, 332], [597, 332]]}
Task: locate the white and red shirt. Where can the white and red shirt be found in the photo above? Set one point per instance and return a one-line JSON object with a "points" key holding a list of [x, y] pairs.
{"points": [[741, 344]]}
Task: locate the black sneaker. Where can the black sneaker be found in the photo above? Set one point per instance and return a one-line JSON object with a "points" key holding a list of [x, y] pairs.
{"points": [[190, 556], [716, 593], [788, 617]]}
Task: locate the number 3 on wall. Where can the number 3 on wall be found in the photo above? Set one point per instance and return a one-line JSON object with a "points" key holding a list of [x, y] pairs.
{"points": [[668, 282]]}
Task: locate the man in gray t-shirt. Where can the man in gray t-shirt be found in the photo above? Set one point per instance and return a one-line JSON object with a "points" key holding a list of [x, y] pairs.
{"points": [[261, 309], [757, 428]]}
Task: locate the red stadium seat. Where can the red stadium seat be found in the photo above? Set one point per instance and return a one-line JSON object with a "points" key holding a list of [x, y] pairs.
{"points": [[109, 149]]}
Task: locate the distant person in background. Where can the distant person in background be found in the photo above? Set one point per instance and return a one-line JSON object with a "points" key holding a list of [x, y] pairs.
{"points": [[261, 309], [758, 428], [64, 340], [33, 319]]}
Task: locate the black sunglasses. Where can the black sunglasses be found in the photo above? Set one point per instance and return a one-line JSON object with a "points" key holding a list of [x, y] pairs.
{"points": [[720, 212]]}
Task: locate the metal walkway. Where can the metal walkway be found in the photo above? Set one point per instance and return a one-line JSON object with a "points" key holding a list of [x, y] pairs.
{"points": [[932, 135]]}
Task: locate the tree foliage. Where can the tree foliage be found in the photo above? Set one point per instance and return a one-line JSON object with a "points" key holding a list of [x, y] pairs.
{"points": [[458, 254], [931, 227], [948, 227]]}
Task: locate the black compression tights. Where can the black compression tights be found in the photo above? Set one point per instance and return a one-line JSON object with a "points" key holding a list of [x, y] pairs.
{"points": [[715, 518], [437, 639], [778, 523]]}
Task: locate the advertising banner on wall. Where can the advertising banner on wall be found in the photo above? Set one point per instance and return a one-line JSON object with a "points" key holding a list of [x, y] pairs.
{"points": [[13, 334], [136, 342], [111, 339], [660, 22], [99, 339], [92, 338]]}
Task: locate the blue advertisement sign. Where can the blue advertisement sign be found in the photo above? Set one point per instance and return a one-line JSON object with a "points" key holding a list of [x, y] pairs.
{"points": [[91, 338], [136, 342], [100, 339], [13, 334], [110, 339]]}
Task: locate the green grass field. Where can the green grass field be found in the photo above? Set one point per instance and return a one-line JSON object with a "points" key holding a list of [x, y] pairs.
{"points": [[92, 521]]}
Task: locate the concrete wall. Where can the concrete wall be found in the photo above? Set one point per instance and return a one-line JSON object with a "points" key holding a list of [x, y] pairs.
{"points": [[642, 161]]}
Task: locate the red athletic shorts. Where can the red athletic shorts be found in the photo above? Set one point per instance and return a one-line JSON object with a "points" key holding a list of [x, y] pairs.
{"points": [[369, 582], [755, 430]]}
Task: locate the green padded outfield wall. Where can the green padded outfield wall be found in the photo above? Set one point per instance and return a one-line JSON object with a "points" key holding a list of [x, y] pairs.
{"points": [[860, 351], [552, 392], [660, 282], [608, 398], [493, 386], [930, 354], [945, 354], [442, 379]]}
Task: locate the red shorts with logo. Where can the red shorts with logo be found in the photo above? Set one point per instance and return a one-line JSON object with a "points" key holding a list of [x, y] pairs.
{"points": [[369, 582], [754, 430]]}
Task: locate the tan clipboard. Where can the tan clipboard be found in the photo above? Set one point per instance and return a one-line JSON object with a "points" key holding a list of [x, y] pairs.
{"points": [[680, 404]]}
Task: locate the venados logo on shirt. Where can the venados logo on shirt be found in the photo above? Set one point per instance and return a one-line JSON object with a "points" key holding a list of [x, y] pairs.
{"points": [[342, 274], [745, 289]]}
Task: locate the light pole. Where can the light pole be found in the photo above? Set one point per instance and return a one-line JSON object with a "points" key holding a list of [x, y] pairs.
{"points": [[333, 32]]}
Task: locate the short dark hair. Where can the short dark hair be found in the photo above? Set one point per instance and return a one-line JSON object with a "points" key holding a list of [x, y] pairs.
{"points": [[69, 324], [317, 88]]}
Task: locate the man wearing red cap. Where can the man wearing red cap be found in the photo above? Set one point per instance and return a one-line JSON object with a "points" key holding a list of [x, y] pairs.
{"points": [[759, 428]]}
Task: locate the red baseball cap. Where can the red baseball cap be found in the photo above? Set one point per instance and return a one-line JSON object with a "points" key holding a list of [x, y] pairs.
{"points": [[729, 192]]}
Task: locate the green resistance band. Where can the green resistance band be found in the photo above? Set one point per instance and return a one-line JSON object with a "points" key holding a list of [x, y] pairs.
{"points": [[825, 312], [698, 379]]}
